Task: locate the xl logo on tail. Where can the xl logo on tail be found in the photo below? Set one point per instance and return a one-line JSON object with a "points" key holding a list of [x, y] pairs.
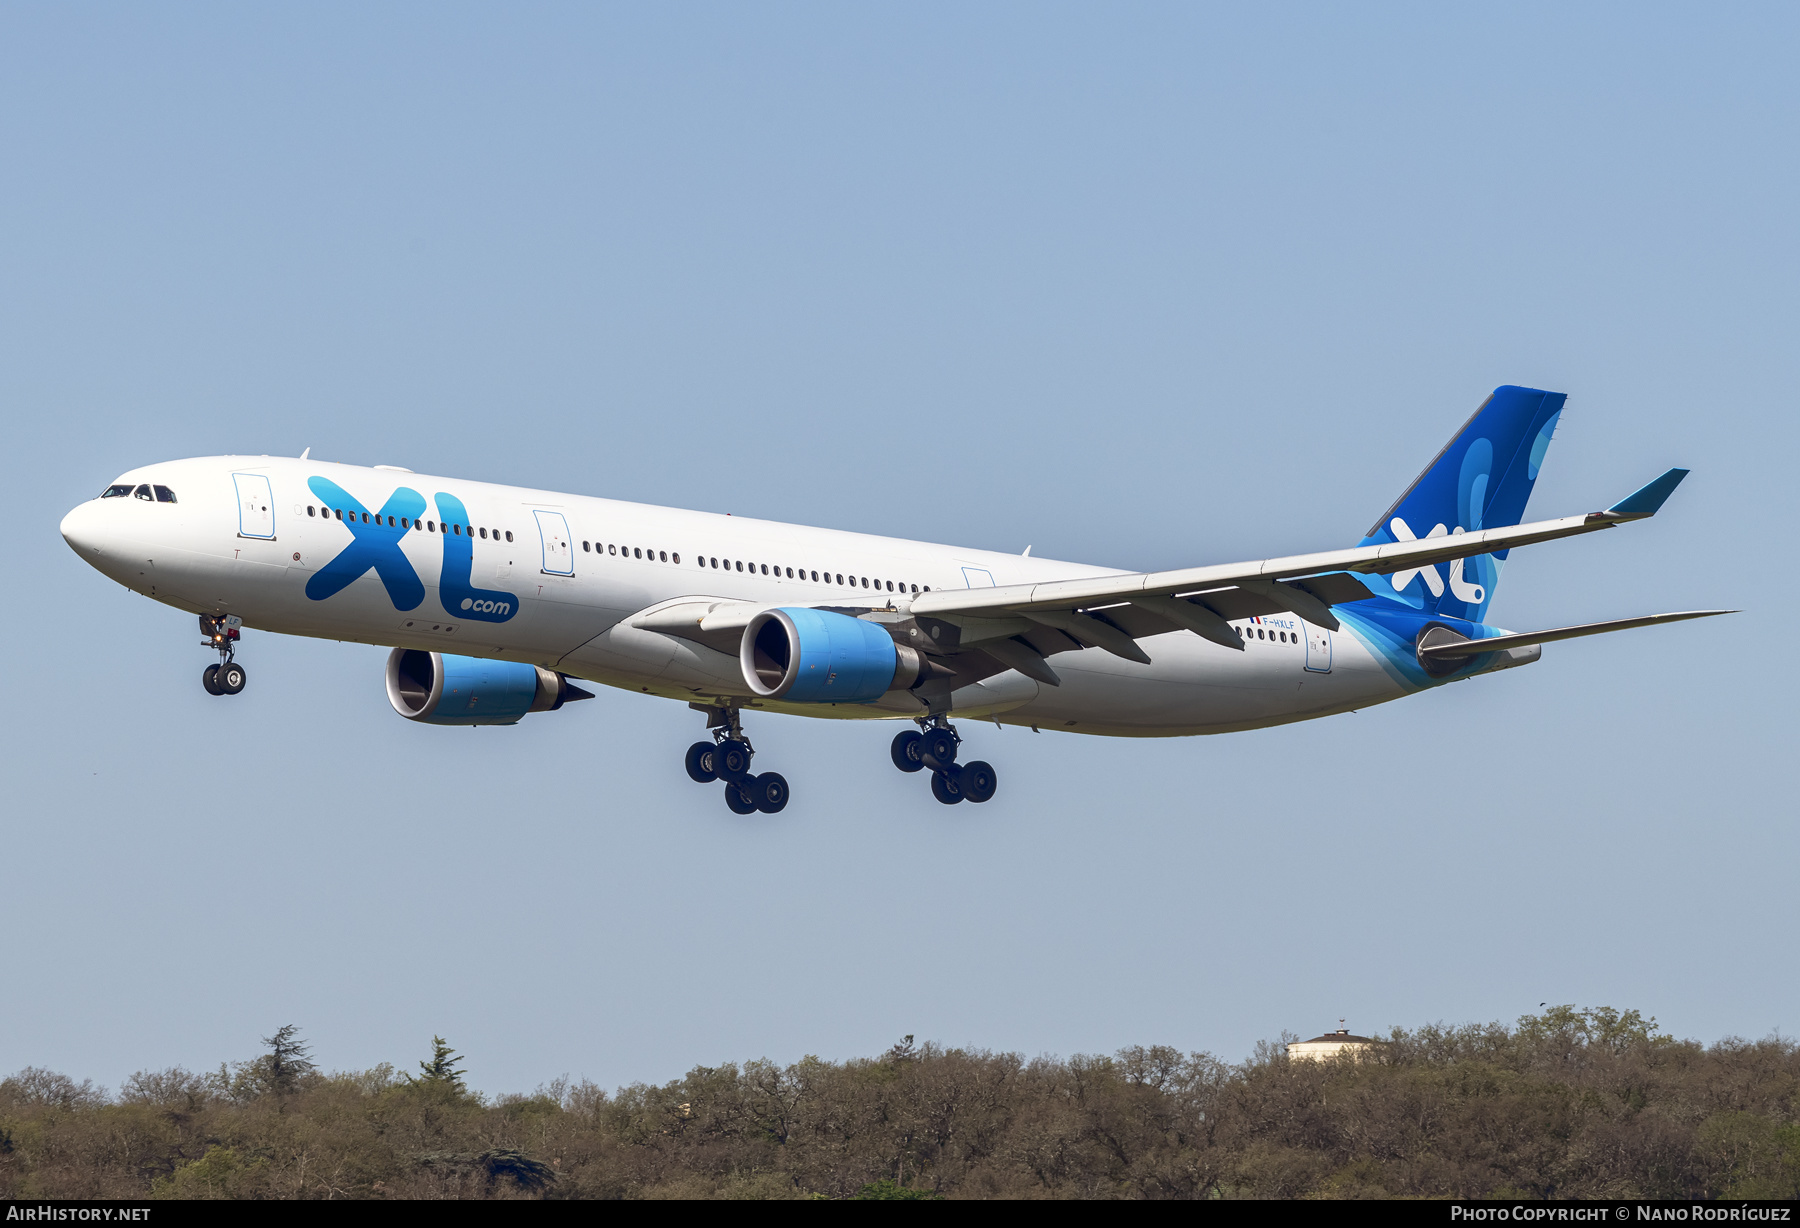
{"points": [[1460, 588], [376, 544]]}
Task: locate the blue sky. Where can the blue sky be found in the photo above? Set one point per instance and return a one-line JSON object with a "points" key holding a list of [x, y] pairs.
{"points": [[1136, 285]]}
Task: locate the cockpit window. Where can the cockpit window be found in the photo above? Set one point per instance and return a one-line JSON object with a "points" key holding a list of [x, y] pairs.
{"points": [[143, 492], [164, 495], [116, 492]]}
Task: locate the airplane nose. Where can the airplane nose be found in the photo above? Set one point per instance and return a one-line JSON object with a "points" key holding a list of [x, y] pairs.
{"points": [[81, 529]]}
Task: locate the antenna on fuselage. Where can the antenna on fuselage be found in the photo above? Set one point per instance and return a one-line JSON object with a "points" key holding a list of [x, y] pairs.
{"points": [[306, 453]]}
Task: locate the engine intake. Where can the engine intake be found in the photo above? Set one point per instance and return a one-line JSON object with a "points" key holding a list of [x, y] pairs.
{"points": [[820, 657], [441, 689]]}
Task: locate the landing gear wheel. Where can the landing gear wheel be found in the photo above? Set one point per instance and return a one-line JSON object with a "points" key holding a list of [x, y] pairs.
{"points": [[231, 678], [905, 751], [731, 760], [739, 801], [769, 791], [945, 789], [209, 678], [977, 781], [937, 748], [702, 763]]}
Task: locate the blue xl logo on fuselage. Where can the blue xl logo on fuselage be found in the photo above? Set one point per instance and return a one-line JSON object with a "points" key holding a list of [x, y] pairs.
{"points": [[455, 591], [376, 544]]}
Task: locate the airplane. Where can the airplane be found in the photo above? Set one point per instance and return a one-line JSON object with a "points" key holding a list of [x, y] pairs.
{"points": [[498, 601]]}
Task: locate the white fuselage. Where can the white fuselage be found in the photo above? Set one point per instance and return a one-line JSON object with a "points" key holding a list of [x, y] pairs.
{"points": [[575, 598]]}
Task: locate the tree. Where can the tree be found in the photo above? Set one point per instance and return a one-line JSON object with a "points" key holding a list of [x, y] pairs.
{"points": [[287, 1062], [441, 1071]]}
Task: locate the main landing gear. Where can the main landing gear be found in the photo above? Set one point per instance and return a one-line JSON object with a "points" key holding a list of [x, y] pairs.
{"points": [[221, 632], [934, 746], [727, 757]]}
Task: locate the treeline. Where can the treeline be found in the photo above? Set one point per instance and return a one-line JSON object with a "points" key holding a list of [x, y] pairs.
{"points": [[1567, 1104]]}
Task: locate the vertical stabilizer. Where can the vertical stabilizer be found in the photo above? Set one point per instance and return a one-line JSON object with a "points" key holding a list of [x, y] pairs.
{"points": [[1481, 480]]}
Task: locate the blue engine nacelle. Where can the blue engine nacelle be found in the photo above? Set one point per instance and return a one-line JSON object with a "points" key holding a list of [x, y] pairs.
{"points": [[448, 690], [818, 657]]}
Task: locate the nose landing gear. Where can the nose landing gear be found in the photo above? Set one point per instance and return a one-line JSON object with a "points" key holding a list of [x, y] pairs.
{"points": [[727, 757], [935, 746], [222, 632]]}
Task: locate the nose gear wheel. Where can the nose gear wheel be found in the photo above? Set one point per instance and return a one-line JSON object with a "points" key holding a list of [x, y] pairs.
{"points": [[221, 632]]}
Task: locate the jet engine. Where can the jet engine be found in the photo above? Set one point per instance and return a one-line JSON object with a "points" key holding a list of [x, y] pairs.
{"points": [[818, 657], [440, 689]]}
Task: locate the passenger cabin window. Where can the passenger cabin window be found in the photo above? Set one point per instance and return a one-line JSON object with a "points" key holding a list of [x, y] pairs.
{"points": [[509, 535], [115, 492]]}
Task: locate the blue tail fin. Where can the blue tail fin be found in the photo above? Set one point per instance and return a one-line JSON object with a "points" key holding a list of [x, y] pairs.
{"points": [[1481, 480]]}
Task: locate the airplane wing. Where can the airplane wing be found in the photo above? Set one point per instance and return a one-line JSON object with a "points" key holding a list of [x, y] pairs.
{"points": [[717, 622], [1112, 612]]}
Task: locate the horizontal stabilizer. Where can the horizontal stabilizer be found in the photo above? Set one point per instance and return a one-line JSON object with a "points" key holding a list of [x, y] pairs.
{"points": [[1648, 500], [1444, 645]]}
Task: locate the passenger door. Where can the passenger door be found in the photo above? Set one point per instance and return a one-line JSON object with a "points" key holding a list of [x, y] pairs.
{"points": [[1318, 649], [559, 556], [256, 506]]}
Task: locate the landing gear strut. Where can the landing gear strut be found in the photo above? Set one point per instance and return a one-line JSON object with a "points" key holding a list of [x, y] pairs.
{"points": [[727, 757], [221, 632], [935, 746]]}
